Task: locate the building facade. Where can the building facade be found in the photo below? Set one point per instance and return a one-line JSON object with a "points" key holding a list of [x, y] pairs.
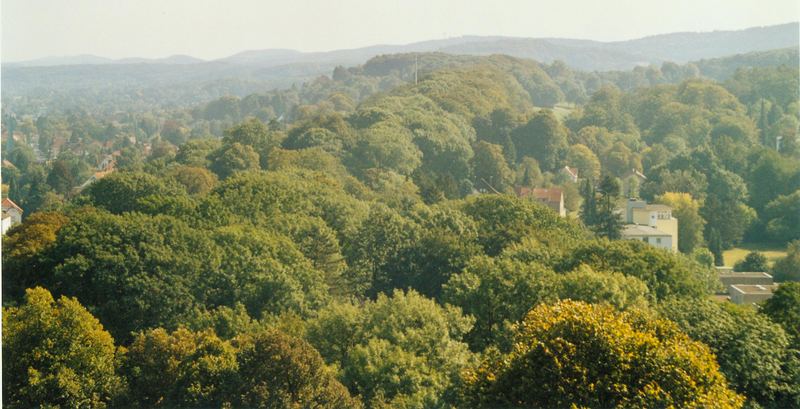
{"points": [[651, 223]]}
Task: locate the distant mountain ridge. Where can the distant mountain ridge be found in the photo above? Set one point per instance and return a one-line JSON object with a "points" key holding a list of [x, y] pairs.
{"points": [[88, 59], [580, 54]]}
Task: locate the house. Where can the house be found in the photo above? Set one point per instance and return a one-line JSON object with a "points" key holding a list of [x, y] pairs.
{"points": [[570, 173], [647, 234], [551, 197], [95, 177], [652, 223], [12, 214], [8, 164], [106, 164], [633, 173], [750, 294], [109, 161]]}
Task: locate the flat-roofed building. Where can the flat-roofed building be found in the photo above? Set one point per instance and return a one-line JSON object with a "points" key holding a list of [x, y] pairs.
{"points": [[745, 278], [750, 294]]}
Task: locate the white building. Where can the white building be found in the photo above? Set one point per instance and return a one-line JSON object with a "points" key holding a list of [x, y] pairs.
{"points": [[652, 223], [12, 214], [648, 234]]}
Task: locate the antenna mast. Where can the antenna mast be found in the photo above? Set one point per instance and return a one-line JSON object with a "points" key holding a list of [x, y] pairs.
{"points": [[416, 68]]}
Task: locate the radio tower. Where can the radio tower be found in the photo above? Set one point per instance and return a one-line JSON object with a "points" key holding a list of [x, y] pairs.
{"points": [[416, 67]]}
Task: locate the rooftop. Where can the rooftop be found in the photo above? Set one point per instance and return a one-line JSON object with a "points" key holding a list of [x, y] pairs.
{"points": [[642, 231], [550, 194], [753, 289], [744, 274], [9, 204], [658, 207]]}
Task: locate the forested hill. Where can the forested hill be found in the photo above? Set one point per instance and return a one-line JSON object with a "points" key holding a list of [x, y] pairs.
{"points": [[175, 81], [547, 84], [357, 242]]}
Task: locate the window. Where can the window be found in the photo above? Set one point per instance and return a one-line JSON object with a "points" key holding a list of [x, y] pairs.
{"points": [[658, 240]]}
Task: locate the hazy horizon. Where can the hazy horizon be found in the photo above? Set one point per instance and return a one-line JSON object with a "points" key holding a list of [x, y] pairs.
{"points": [[208, 30]]}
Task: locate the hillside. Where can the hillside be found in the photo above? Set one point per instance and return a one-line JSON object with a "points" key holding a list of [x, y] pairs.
{"points": [[282, 68]]}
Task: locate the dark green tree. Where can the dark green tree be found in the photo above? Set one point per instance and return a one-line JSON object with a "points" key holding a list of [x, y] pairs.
{"points": [[784, 308], [607, 221], [753, 261]]}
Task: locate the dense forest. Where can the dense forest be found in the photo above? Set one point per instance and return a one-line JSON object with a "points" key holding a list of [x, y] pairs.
{"points": [[355, 241]]}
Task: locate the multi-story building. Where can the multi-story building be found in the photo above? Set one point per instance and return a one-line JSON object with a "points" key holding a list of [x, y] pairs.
{"points": [[651, 223]]}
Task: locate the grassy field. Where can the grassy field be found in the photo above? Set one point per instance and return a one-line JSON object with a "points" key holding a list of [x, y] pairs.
{"points": [[738, 253], [561, 110]]}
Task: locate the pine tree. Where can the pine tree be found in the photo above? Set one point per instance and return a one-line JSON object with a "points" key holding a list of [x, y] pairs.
{"points": [[527, 179], [589, 206], [715, 245], [763, 123], [607, 222]]}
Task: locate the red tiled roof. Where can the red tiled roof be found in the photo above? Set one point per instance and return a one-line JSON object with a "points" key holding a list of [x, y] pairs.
{"points": [[8, 203], [550, 194], [572, 171]]}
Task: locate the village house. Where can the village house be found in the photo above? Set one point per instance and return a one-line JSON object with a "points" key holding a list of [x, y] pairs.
{"points": [[570, 173], [551, 197], [651, 223], [12, 214]]}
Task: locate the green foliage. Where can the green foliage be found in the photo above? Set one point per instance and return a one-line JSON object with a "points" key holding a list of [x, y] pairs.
{"points": [[542, 138], [179, 369], [666, 274], [446, 242], [279, 371], [357, 188], [385, 146], [402, 351], [573, 354], [753, 261], [196, 180], [196, 151], [690, 223], [23, 246], [381, 238], [782, 217], [788, 268], [724, 208], [121, 191], [135, 271], [581, 157], [498, 292], [503, 220], [263, 271], [752, 352], [233, 158], [491, 172], [784, 308], [260, 196], [197, 369], [599, 211], [56, 354], [256, 135]]}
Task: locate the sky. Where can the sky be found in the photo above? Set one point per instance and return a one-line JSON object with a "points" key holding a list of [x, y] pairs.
{"points": [[212, 29]]}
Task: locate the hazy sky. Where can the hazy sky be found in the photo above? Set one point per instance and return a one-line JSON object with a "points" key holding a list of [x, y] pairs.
{"points": [[217, 28]]}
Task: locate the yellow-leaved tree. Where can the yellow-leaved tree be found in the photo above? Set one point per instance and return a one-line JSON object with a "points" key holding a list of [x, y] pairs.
{"points": [[573, 354]]}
